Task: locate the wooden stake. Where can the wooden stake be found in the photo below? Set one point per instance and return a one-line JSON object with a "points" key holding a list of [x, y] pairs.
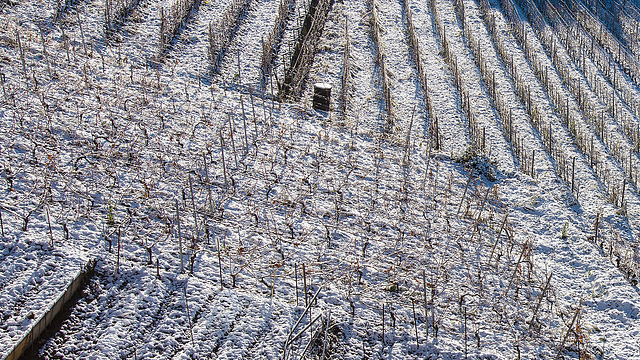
{"points": [[244, 122], [195, 214], [49, 222], [624, 185], [498, 237], [84, 48], [224, 163], [464, 193], [568, 332], [118, 260], [424, 294], [179, 237], [264, 110], [304, 277], [535, 311], [4, 88], [1, 224], [186, 302], [415, 322], [533, 160], [233, 143], [24, 65], [296, 277], [465, 331], [239, 75], [484, 200], [206, 174], [383, 342], [408, 139], [573, 173], [515, 271], [483, 138], [326, 330], [219, 262], [255, 125]]}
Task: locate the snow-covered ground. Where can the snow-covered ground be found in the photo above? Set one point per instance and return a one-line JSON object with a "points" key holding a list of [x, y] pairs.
{"points": [[227, 225]]}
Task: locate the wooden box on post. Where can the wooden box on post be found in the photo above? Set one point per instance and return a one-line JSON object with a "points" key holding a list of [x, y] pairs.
{"points": [[322, 96]]}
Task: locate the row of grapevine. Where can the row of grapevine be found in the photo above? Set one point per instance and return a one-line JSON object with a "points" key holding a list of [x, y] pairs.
{"points": [[62, 7], [629, 19], [417, 59], [615, 188], [304, 51], [628, 62], [583, 49], [270, 44], [624, 86], [609, 15], [543, 115], [482, 119], [442, 97], [504, 97], [116, 11], [346, 78], [380, 60], [172, 19], [565, 103], [222, 30], [605, 120]]}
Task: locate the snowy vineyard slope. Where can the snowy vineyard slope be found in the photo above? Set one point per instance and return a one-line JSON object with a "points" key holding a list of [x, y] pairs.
{"points": [[497, 217]]}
